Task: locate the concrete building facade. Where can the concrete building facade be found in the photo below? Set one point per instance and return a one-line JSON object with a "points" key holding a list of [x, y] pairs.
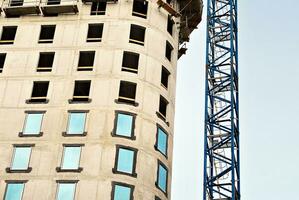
{"points": [[88, 96]]}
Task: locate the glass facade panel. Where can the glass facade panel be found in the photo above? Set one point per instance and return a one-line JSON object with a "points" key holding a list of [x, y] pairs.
{"points": [[33, 123], [122, 192], [162, 141], [162, 178], [14, 191], [21, 158], [66, 191], [71, 158], [125, 160], [76, 123], [124, 125]]}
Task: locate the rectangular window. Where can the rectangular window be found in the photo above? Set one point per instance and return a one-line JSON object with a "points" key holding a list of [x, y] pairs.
{"points": [[125, 162], [39, 92], [98, 8], [140, 8], [127, 92], [45, 61], [66, 190], [124, 124], [14, 191], [8, 34], [47, 34], [122, 191], [21, 158], [170, 24], [164, 77], [168, 51], [86, 60], [16, 2], [71, 157], [162, 176], [163, 107], [2, 61], [161, 141], [95, 32], [130, 62], [76, 123], [81, 91], [33, 123], [137, 34]]}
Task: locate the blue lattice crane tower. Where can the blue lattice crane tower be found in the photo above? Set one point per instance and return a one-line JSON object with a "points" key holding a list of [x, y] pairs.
{"points": [[222, 149]]}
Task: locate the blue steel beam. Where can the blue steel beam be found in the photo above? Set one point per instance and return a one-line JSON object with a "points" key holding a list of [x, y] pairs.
{"points": [[221, 145]]}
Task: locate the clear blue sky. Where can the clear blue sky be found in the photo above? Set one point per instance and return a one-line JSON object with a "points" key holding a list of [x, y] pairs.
{"points": [[269, 105]]}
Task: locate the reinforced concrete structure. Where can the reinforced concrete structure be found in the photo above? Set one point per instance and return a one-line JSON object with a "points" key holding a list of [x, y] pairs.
{"points": [[87, 97]]}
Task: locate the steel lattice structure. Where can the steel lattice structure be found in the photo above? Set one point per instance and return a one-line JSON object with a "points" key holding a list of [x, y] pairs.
{"points": [[221, 151]]}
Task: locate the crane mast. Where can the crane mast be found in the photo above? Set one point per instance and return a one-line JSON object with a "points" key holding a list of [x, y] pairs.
{"points": [[221, 143]]}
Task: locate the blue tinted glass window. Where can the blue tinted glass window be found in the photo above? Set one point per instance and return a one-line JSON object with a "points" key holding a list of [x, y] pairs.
{"points": [[71, 158], [76, 123], [14, 191], [33, 123], [66, 191], [125, 160], [162, 178], [124, 125], [21, 158], [162, 141], [122, 192]]}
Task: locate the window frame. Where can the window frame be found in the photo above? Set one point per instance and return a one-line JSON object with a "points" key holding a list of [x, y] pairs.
{"points": [[45, 69], [86, 68], [11, 41], [168, 44], [139, 14], [164, 69], [157, 140], [40, 99], [115, 171], [134, 41], [28, 112], [126, 100], [3, 55], [134, 115], [157, 178], [80, 99], [79, 169], [170, 22], [43, 41], [161, 115], [66, 134], [66, 182], [97, 11], [14, 182], [93, 39], [114, 183], [126, 68], [29, 169]]}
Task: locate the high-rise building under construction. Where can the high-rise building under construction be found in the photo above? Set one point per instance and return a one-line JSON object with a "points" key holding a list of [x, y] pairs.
{"points": [[87, 97]]}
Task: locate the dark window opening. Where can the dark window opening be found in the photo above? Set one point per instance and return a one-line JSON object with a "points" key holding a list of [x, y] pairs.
{"points": [[81, 91], [163, 106], [2, 61], [130, 62], [140, 8], [47, 34], [39, 91], [127, 92], [53, 2], [8, 34], [137, 34], [95, 32], [16, 2], [45, 62], [164, 77], [170, 24], [86, 60], [98, 8], [168, 51]]}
